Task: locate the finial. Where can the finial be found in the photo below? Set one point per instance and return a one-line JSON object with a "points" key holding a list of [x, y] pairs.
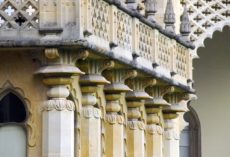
{"points": [[132, 4], [185, 28], [169, 17], [150, 9]]}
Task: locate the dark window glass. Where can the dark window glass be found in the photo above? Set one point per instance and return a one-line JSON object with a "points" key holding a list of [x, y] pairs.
{"points": [[12, 109]]}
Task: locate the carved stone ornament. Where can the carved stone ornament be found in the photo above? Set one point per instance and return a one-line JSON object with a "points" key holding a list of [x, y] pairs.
{"points": [[51, 53], [30, 123], [134, 125], [59, 105], [91, 112], [114, 119], [154, 129]]}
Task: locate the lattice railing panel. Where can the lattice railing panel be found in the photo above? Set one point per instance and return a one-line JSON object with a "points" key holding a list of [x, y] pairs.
{"points": [[115, 30], [206, 14], [124, 30], [164, 51], [19, 13], [145, 43], [100, 18], [181, 58]]}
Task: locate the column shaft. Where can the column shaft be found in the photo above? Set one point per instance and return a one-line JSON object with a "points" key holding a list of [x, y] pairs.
{"points": [[135, 140], [90, 124], [171, 139]]}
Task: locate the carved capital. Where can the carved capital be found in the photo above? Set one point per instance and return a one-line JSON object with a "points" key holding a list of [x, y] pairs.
{"points": [[157, 92], [93, 69], [140, 83]]}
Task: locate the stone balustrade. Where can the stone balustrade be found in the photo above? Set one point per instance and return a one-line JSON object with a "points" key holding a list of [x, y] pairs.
{"points": [[115, 27]]}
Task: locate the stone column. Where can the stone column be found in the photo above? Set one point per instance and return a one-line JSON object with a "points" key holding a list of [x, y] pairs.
{"points": [[114, 120], [171, 135], [91, 119], [172, 123], [154, 130], [57, 111], [136, 125], [90, 123]]}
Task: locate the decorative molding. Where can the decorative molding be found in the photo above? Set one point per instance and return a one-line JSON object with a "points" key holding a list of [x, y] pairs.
{"points": [[107, 65], [51, 53], [114, 119], [154, 129], [58, 105], [134, 125], [91, 112]]}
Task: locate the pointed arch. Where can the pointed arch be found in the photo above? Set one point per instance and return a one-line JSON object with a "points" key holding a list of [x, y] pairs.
{"points": [[13, 132], [29, 123], [191, 135], [195, 132], [12, 108]]}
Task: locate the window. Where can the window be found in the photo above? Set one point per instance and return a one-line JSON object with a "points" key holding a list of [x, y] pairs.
{"points": [[12, 131]]}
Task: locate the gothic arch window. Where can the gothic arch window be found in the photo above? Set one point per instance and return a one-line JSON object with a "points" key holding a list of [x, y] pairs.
{"points": [[13, 114], [190, 141]]}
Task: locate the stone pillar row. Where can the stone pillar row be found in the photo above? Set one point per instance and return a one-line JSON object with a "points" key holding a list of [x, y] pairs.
{"points": [[123, 112]]}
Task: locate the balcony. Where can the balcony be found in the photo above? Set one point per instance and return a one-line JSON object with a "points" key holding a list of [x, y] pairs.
{"points": [[108, 27]]}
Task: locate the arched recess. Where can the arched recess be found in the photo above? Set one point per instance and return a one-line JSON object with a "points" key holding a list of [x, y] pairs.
{"points": [[190, 141], [211, 76], [13, 132], [29, 123]]}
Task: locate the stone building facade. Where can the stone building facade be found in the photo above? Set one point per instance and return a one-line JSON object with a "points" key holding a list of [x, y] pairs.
{"points": [[99, 78]]}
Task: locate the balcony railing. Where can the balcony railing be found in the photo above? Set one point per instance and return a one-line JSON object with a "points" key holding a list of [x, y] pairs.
{"points": [[111, 24]]}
